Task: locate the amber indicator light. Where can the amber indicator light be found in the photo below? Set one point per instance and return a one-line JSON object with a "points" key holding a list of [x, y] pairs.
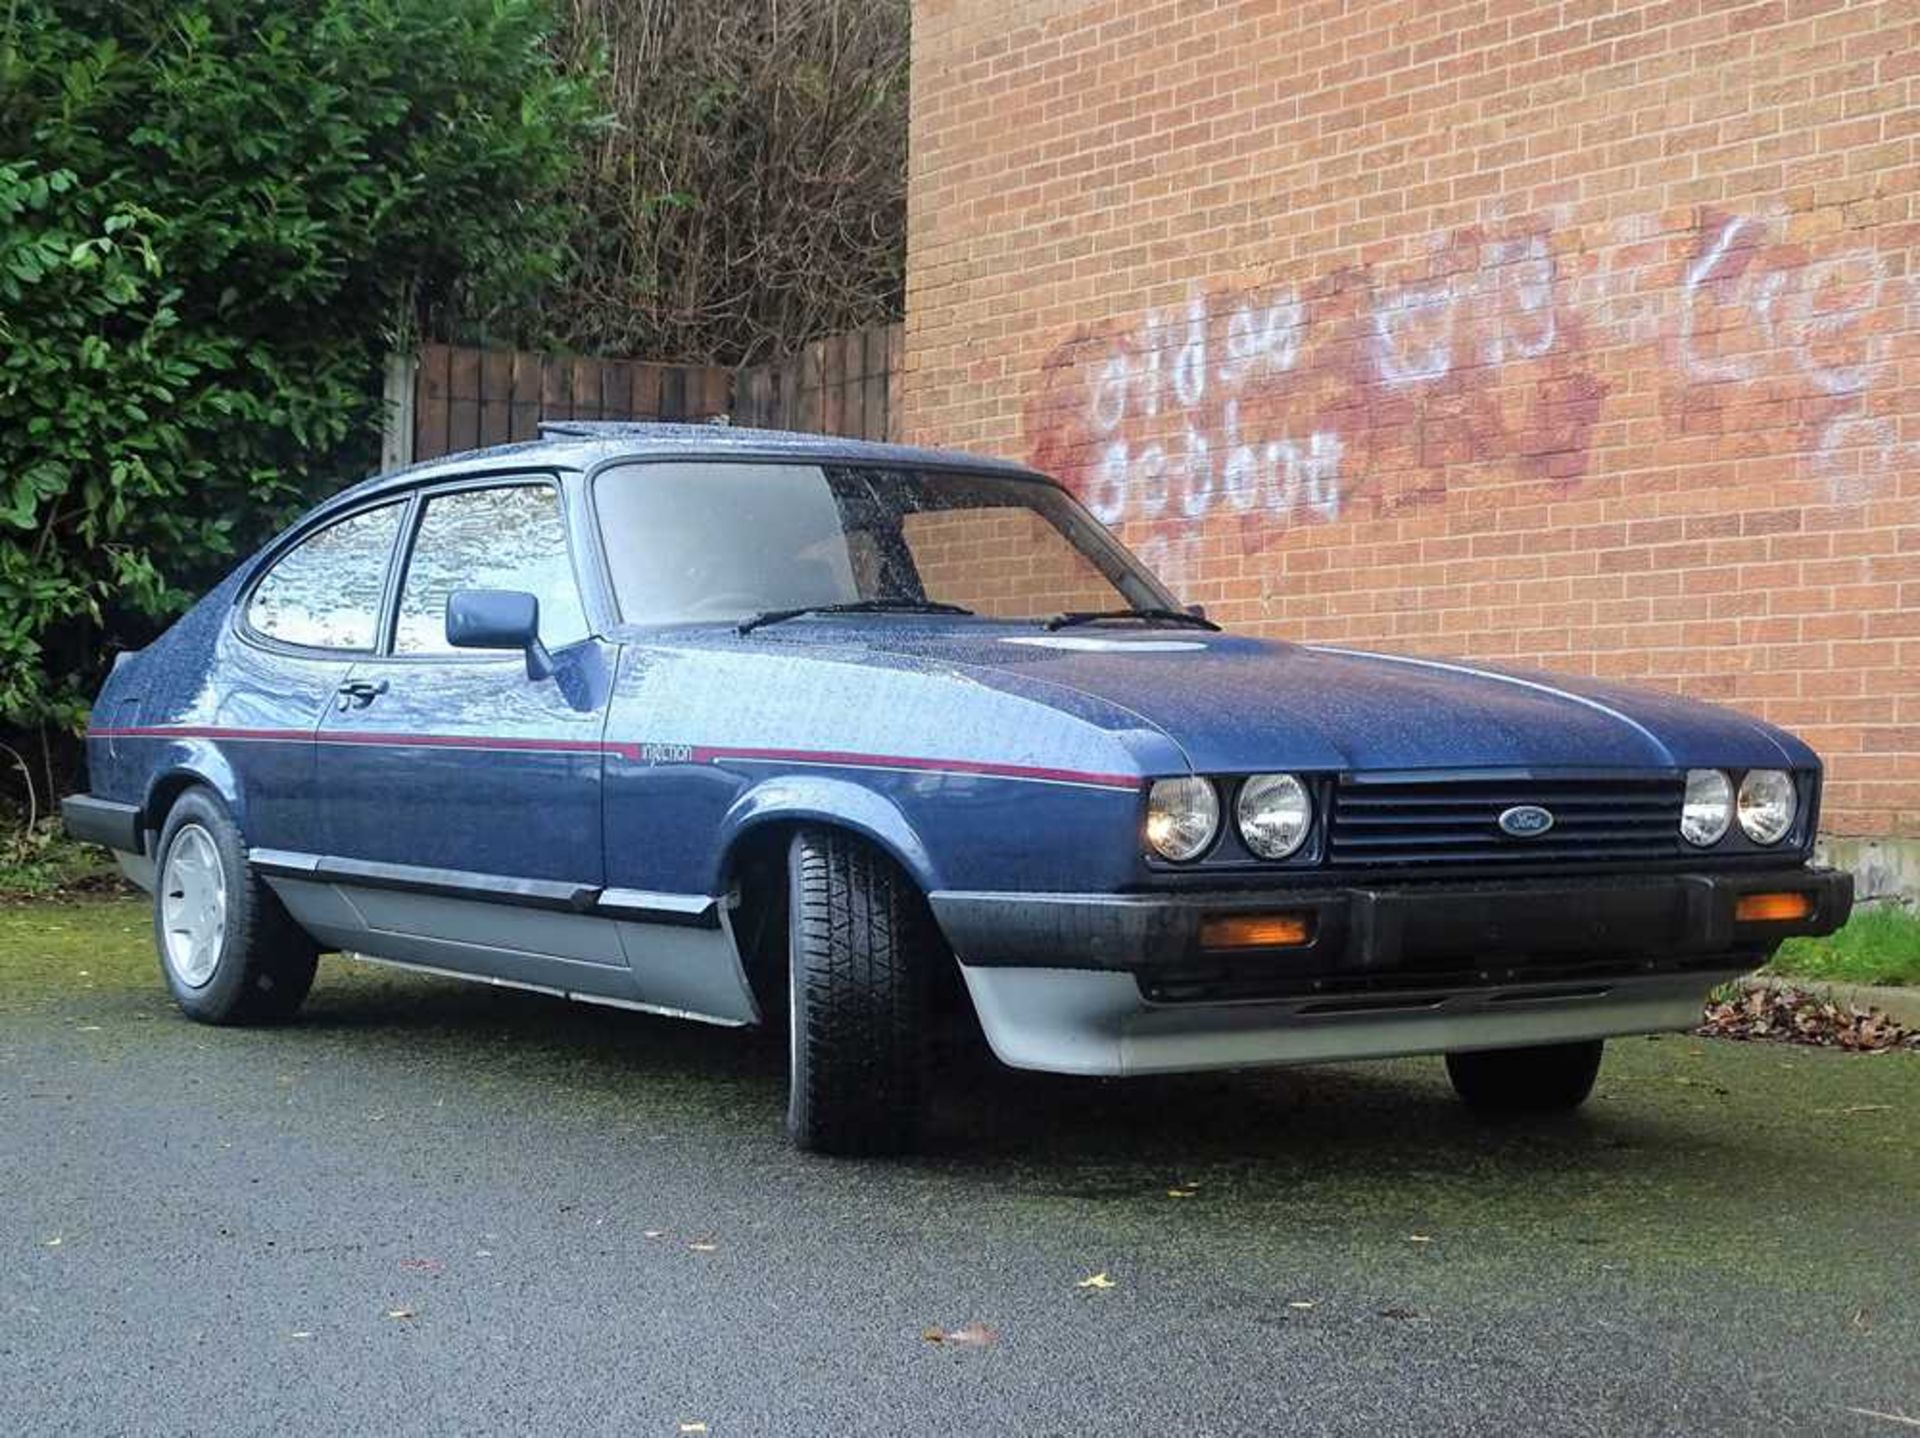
{"points": [[1772, 908], [1255, 931]]}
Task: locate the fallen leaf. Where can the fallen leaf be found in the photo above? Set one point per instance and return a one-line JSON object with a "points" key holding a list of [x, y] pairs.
{"points": [[89, 1028], [1098, 1280], [1867, 1108], [1419, 1238], [703, 1247], [970, 1335], [1302, 1303], [301, 1333], [654, 1233], [1181, 1193], [55, 1241], [399, 1313], [693, 1427]]}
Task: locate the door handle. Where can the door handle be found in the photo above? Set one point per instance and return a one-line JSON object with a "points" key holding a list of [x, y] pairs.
{"points": [[359, 693]]}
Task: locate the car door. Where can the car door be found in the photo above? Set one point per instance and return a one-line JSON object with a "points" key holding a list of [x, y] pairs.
{"points": [[452, 773], [310, 615]]}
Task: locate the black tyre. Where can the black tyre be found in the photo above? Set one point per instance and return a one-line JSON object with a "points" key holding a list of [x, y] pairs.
{"points": [[1551, 1078], [228, 951], [859, 960]]}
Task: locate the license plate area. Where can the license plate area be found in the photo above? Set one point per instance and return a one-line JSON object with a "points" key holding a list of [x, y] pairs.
{"points": [[1443, 929]]}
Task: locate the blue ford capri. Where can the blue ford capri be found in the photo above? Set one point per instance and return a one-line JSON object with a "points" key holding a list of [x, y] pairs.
{"points": [[850, 739]]}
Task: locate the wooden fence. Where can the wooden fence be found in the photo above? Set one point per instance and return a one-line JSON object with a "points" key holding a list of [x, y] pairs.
{"points": [[848, 384], [458, 398]]}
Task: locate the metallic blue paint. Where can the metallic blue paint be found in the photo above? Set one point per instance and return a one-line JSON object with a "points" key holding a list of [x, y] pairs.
{"points": [[1017, 758]]}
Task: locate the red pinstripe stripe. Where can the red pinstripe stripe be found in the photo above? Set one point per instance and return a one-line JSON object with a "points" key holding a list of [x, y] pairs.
{"points": [[357, 736], [702, 754], [985, 768]]}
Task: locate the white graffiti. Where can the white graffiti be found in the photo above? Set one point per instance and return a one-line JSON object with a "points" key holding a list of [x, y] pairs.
{"points": [[1699, 274], [1751, 316], [1524, 274], [1413, 335], [1808, 322], [1174, 368]]}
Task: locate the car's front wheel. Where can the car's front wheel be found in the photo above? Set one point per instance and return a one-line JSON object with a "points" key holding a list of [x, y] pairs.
{"points": [[859, 964], [228, 951], [1549, 1078]]}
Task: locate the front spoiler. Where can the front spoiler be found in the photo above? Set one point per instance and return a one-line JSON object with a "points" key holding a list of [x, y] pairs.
{"points": [[1082, 1021]]}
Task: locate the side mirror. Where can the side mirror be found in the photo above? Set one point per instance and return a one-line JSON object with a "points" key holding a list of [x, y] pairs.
{"points": [[498, 619]]}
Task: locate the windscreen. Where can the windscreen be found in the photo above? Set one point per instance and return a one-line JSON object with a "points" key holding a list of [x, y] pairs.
{"points": [[691, 542]]}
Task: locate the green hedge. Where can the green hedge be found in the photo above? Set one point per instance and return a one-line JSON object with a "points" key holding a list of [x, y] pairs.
{"points": [[215, 217]]}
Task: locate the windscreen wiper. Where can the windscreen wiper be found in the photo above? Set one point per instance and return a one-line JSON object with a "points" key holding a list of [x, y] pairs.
{"points": [[857, 606], [1165, 616]]}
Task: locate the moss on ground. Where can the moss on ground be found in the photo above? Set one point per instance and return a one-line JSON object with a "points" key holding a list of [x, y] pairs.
{"points": [[1789, 1167]]}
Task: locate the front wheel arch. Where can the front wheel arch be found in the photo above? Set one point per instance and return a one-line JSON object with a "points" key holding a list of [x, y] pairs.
{"points": [[755, 881], [791, 800]]}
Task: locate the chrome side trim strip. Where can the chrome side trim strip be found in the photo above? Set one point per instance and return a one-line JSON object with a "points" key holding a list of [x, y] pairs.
{"points": [[601, 999], [660, 1009], [442, 973], [650, 906]]}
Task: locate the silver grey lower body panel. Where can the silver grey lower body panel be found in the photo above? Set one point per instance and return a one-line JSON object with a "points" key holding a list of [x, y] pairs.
{"points": [[138, 868], [686, 972], [1086, 1021]]}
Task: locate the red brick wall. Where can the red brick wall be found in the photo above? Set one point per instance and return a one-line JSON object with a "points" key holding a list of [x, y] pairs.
{"points": [[1567, 334]]}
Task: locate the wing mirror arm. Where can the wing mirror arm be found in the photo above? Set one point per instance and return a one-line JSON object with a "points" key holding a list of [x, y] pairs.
{"points": [[499, 619], [539, 661]]}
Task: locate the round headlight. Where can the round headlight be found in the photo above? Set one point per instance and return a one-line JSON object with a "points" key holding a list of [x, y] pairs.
{"points": [[1708, 809], [1182, 816], [1767, 805], [1274, 814]]}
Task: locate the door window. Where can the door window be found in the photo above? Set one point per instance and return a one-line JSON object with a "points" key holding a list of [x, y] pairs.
{"points": [[325, 592], [513, 537]]}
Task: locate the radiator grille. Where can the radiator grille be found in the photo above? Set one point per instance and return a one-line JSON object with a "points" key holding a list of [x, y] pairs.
{"points": [[1456, 821]]}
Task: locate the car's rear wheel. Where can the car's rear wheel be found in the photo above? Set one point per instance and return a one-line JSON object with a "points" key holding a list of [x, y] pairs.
{"points": [[859, 963], [1549, 1078], [228, 950]]}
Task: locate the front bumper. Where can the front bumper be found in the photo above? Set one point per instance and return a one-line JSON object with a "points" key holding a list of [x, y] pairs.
{"points": [[1123, 983]]}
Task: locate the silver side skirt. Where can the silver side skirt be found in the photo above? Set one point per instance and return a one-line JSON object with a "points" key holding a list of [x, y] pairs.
{"points": [[543, 989], [664, 968]]}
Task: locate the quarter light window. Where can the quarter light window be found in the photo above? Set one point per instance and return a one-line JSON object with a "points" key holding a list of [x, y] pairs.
{"points": [[325, 593], [508, 538]]}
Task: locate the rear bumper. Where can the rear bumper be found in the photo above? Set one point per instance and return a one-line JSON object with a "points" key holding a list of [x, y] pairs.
{"points": [[104, 821], [1124, 984]]}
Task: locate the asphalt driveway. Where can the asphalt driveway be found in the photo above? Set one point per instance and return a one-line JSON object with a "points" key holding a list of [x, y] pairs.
{"points": [[434, 1207]]}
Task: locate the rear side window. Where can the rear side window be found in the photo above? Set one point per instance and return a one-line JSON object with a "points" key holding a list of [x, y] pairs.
{"points": [[325, 592], [513, 537]]}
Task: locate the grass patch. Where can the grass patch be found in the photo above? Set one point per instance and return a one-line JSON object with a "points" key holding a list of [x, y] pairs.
{"points": [[1880, 945]]}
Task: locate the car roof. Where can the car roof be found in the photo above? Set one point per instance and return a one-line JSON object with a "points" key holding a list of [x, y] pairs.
{"points": [[588, 444]]}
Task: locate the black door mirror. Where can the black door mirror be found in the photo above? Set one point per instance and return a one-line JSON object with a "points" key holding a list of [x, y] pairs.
{"points": [[498, 619]]}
